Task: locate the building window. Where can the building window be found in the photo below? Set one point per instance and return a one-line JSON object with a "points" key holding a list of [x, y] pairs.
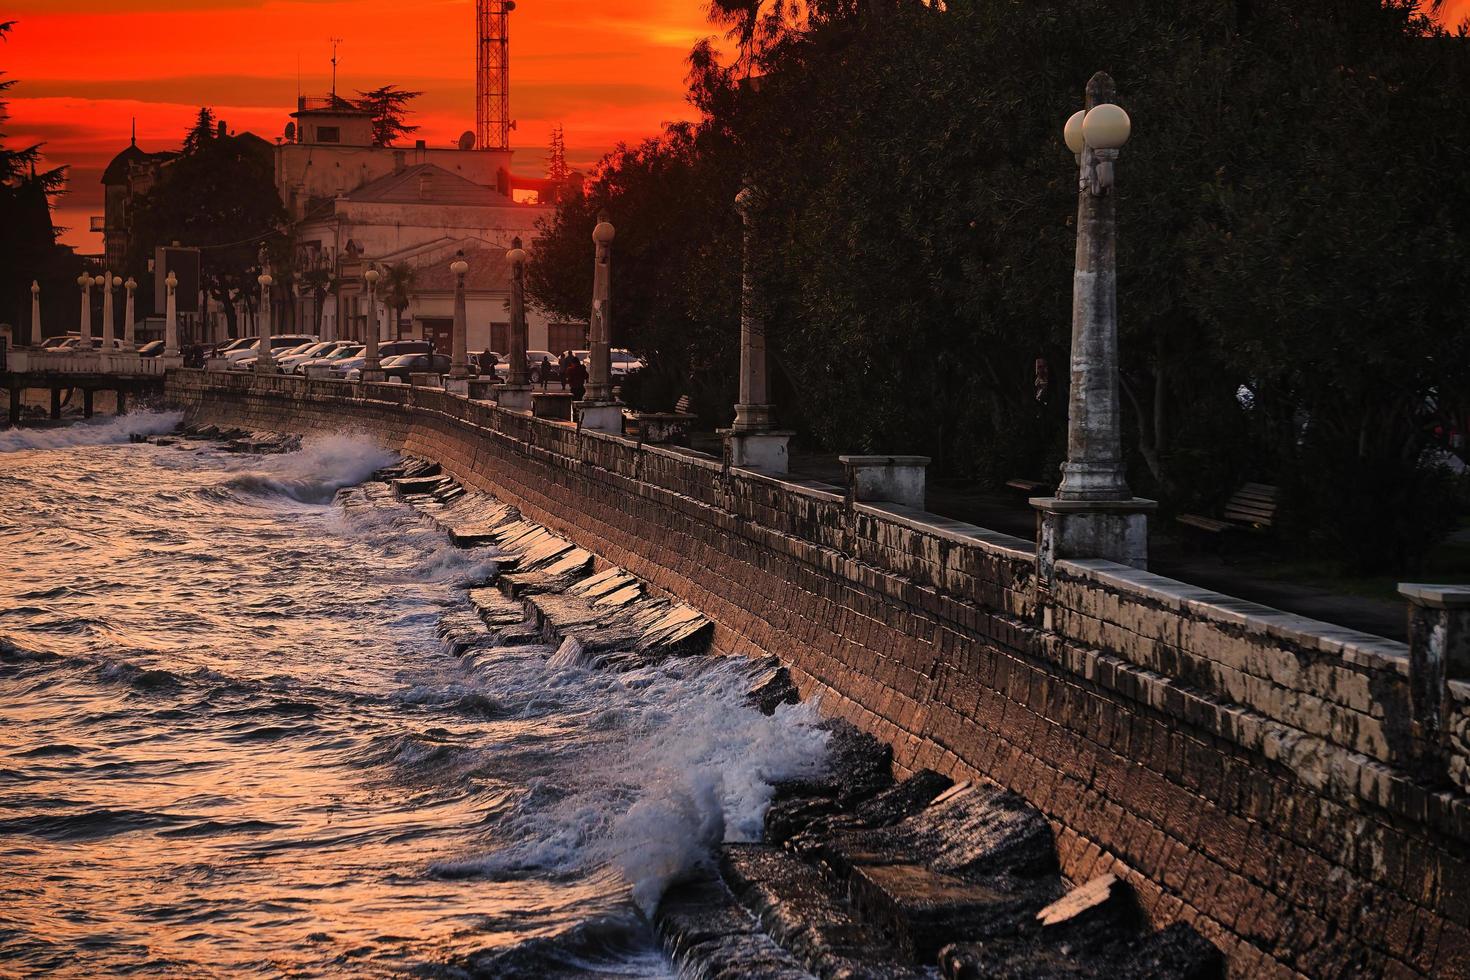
{"points": [[500, 337], [329, 134]]}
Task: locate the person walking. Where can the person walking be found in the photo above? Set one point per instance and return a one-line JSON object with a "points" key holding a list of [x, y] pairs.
{"points": [[545, 370], [575, 375], [562, 363]]}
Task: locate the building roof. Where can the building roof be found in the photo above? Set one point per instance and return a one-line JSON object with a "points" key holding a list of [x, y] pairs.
{"points": [[117, 170], [424, 182], [489, 272]]}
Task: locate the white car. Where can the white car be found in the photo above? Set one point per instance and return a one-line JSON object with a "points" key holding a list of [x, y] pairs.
{"points": [[279, 343], [306, 352], [347, 350], [342, 366]]}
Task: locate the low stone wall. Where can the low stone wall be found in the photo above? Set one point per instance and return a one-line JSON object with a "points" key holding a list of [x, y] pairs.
{"points": [[1245, 770]]}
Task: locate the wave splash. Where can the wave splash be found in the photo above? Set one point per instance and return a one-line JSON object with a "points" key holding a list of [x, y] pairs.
{"points": [[669, 761], [92, 432], [314, 473]]}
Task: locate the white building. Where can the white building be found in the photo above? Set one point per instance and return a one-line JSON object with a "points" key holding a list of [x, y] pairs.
{"points": [[356, 206]]}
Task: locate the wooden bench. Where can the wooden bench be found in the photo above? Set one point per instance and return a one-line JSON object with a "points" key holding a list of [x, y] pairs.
{"points": [[1252, 507]]}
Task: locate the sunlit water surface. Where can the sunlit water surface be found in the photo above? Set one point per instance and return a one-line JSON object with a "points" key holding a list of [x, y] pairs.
{"points": [[233, 744]]}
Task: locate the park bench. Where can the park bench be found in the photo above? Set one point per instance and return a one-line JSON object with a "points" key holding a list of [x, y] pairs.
{"points": [[1252, 507], [1030, 488]]}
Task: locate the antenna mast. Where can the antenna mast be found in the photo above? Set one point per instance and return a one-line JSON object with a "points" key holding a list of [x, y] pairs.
{"points": [[492, 74], [335, 41]]}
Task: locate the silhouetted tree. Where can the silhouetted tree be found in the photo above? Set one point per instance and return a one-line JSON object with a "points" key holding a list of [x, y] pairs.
{"points": [[389, 106]]}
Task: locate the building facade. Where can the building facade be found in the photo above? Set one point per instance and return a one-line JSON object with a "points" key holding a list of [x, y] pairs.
{"points": [[407, 212]]}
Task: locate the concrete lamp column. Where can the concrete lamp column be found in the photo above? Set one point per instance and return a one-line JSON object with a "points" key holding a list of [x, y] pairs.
{"points": [[515, 394], [371, 370], [598, 411], [459, 375], [36, 339], [265, 362], [85, 281], [129, 328], [1094, 514], [108, 282], [171, 318], [753, 441]]}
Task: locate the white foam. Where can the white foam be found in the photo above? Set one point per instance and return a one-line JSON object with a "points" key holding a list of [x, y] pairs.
{"points": [[92, 432], [649, 769], [314, 473]]}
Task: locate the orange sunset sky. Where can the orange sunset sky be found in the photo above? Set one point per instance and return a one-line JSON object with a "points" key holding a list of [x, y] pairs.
{"points": [[607, 70]]}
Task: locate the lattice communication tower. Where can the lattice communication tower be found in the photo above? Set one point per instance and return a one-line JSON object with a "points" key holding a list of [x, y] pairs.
{"points": [[492, 74]]}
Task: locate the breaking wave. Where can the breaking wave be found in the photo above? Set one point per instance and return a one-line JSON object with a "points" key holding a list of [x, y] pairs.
{"points": [[92, 432], [314, 473]]}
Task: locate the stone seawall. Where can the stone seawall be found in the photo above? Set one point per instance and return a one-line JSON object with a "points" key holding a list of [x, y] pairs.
{"points": [[1247, 771]]}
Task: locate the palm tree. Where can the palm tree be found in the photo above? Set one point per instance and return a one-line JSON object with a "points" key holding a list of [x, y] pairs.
{"points": [[398, 292]]}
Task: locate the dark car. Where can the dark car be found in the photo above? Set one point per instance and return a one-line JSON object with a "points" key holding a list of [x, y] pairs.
{"points": [[403, 365], [392, 348], [151, 349]]}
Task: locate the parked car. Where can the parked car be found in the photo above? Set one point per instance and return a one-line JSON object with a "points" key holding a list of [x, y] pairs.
{"points": [[624, 363], [278, 343], [403, 365], [392, 348], [53, 343], [347, 350], [151, 349], [75, 343], [342, 366], [306, 352], [533, 362]]}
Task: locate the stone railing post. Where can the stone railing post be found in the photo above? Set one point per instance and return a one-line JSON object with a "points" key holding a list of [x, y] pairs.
{"points": [[1439, 652], [752, 439], [1094, 514], [36, 338], [894, 479]]}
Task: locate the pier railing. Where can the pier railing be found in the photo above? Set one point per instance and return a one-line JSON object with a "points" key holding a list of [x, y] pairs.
{"points": [[90, 362]]}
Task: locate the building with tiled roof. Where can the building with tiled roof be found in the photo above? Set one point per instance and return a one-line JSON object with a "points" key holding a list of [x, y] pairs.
{"points": [[357, 206]]}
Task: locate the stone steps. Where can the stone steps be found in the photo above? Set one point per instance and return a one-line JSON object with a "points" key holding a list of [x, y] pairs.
{"points": [[548, 589], [861, 876]]}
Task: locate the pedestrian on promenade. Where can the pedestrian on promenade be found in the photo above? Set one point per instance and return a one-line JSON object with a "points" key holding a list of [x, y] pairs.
{"points": [[562, 363], [487, 364], [545, 371], [575, 375]]}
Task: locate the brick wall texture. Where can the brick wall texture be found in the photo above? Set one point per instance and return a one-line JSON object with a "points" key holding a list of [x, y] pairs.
{"points": [[1244, 769]]}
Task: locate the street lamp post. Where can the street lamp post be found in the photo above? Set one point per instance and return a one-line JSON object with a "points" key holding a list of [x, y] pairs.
{"points": [[515, 394], [459, 342], [108, 282], [598, 411], [129, 329], [371, 370], [85, 281], [264, 361], [1094, 514], [171, 318], [752, 439], [35, 313]]}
